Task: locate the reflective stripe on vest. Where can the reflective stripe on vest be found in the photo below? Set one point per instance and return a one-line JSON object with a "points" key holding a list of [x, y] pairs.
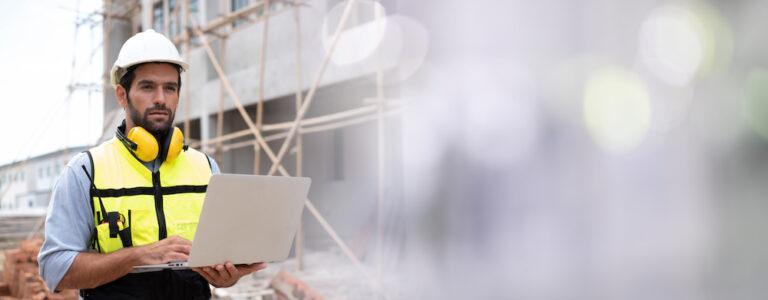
{"points": [[143, 207]]}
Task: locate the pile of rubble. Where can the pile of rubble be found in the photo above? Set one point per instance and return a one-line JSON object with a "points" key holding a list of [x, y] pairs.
{"points": [[20, 277], [326, 275], [281, 281], [280, 286]]}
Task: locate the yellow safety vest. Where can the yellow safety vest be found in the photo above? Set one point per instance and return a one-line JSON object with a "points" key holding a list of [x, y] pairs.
{"points": [[133, 206]]}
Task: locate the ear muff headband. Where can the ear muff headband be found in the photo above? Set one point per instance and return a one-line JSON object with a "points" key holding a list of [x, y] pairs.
{"points": [[144, 145]]}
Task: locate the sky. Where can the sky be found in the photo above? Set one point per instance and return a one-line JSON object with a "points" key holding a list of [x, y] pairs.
{"points": [[41, 53]]}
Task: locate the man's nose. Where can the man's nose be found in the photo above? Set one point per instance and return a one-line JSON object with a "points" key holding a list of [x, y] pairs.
{"points": [[159, 96]]}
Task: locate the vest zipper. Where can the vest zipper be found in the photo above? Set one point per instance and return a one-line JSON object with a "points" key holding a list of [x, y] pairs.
{"points": [[163, 232]]}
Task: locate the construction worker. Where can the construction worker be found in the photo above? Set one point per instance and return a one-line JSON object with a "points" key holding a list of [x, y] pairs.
{"points": [[134, 199]]}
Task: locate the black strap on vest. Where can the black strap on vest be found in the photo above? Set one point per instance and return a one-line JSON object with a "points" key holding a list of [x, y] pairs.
{"points": [[93, 188], [149, 191]]}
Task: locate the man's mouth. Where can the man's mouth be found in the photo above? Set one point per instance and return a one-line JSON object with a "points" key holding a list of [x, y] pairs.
{"points": [[158, 113]]}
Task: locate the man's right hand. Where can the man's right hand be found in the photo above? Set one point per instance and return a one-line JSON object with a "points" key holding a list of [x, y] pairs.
{"points": [[90, 270], [173, 248]]}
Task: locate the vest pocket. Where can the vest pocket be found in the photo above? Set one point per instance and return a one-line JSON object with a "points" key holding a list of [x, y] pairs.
{"points": [[106, 243], [114, 231], [184, 227], [142, 225], [182, 214]]}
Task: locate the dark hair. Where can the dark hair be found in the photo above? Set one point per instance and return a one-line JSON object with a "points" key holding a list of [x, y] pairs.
{"points": [[127, 79]]}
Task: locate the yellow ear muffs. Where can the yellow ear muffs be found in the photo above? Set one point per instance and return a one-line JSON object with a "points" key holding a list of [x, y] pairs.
{"points": [[175, 145], [146, 144]]}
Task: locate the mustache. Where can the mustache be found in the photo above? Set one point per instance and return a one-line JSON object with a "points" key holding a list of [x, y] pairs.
{"points": [[158, 108]]}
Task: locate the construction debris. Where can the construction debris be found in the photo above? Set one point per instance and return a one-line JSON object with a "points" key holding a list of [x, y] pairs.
{"points": [[281, 281], [20, 277], [329, 275], [291, 288]]}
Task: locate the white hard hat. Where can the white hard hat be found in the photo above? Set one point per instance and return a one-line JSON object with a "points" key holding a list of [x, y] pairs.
{"points": [[147, 46]]}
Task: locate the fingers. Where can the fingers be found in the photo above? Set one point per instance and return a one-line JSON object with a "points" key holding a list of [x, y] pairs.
{"points": [[172, 252], [260, 266], [174, 256], [171, 249], [231, 270], [212, 273], [227, 274], [181, 248], [205, 273], [252, 267], [223, 272], [177, 240], [218, 275]]}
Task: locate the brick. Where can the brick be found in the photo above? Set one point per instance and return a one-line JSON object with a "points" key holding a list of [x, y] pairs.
{"points": [[20, 274], [31, 247], [38, 296], [12, 256], [5, 290]]}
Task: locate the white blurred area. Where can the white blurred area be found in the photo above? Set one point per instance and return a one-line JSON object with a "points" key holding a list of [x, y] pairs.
{"points": [[52, 99], [375, 37], [586, 150]]}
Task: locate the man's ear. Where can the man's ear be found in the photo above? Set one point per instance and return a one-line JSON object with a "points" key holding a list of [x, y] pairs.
{"points": [[122, 96]]}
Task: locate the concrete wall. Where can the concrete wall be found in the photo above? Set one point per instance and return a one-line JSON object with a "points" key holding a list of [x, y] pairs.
{"points": [[242, 61]]}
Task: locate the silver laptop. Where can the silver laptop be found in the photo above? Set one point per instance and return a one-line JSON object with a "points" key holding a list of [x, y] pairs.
{"points": [[245, 219]]}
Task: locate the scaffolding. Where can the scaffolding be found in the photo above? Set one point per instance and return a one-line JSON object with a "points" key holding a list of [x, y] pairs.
{"points": [[376, 109]]}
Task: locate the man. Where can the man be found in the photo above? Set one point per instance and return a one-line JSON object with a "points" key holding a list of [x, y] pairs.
{"points": [[135, 199]]}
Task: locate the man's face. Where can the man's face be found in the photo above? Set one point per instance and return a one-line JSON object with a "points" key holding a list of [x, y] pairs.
{"points": [[153, 97]]}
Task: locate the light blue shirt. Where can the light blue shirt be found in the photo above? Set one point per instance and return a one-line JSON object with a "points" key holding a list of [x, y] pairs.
{"points": [[69, 223]]}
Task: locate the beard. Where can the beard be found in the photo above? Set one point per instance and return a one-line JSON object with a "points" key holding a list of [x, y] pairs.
{"points": [[154, 127]]}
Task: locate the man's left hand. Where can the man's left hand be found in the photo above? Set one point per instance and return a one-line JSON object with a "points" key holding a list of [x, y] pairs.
{"points": [[227, 274]]}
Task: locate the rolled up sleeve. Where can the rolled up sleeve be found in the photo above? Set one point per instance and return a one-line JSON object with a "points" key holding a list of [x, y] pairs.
{"points": [[69, 222]]}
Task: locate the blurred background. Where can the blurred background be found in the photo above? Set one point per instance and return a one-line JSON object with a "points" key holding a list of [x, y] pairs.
{"points": [[550, 149]]}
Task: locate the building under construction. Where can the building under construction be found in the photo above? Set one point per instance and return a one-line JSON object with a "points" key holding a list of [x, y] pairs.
{"points": [[264, 94]]}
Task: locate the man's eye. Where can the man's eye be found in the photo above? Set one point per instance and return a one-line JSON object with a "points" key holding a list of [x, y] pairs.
{"points": [[170, 88], [146, 87]]}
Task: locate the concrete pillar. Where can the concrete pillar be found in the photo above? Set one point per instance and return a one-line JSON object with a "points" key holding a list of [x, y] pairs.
{"points": [[146, 14]]}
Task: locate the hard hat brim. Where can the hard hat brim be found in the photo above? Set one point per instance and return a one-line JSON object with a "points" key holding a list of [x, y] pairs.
{"points": [[117, 72]]}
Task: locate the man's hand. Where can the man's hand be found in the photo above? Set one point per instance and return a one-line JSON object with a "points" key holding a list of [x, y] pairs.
{"points": [[227, 274], [173, 248], [90, 270]]}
